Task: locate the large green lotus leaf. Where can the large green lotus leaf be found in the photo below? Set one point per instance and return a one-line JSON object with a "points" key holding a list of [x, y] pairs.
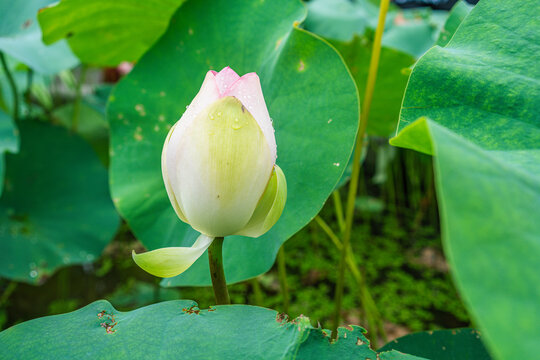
{"points": [[178, 329], [104, 32], [453, 344], [9, 142], [55, 209], [20, 37], [390, 86], [314, 129], [482, 93]]}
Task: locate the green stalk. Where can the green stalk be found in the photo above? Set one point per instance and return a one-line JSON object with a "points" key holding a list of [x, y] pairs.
{"points": [[215, 258], [12, 85], [339, 210], [7, 293], [391, 190], [63, 284], [399, 182], [257, 292], [353, 185], [372, 313], [27, 93], [77, 103], [282, 273]]}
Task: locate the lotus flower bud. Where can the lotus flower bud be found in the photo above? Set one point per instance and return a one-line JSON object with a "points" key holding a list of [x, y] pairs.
{"points": [[218, 165]]}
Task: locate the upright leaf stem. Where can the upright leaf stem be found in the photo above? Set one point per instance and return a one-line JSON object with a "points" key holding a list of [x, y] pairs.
{"points": [[282, 273], [77, 103], [339, 210], [215, 258], [28, 92], [353, 185], [12, 85]]}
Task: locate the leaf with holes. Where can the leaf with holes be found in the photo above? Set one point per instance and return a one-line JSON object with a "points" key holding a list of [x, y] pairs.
{"points": [[314, 129], [178, 327]]}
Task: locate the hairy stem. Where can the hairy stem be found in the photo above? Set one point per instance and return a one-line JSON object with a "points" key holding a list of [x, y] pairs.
{"points": [[215, 257], [353, 185]]}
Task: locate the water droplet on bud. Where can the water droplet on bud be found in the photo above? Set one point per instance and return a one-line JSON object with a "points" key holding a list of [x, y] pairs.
{"points": [[236, 124]]}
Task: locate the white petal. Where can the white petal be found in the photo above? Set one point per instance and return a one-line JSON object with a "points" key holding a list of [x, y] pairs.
{"points": [[208, 93], [177, 206], [221, 167], [248, 90]]}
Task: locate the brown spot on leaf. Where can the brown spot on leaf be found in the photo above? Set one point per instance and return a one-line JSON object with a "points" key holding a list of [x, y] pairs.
{"points": [[192, 310], [109, 322], [27, 24], [281, 317]]}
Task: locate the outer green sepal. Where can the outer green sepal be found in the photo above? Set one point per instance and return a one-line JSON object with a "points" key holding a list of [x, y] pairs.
{"points": [[270, 206], [172, 261]]}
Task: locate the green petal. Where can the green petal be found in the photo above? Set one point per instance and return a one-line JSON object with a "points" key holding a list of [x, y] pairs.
{"points": [[270, 206], [172, 261]]}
